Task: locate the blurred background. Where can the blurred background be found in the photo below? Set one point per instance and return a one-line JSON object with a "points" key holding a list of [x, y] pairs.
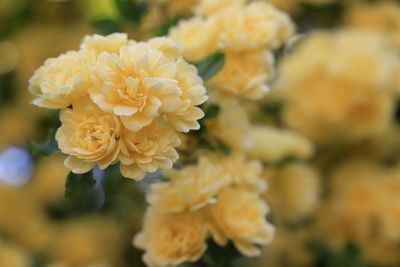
{"points": [[334, 182]]}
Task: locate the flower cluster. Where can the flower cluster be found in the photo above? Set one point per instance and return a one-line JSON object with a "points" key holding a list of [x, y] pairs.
{"points": [[121, 100], [350, 78], [217, 197], [245, 33]]}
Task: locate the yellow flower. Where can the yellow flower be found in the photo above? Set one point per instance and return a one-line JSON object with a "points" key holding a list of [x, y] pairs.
{"points": [[147, 150], [13, 256], [273, 144], [257, 25], [293, 191], [211, 7], [110, 43], [240, 215], [245, 73], [62, 80], [242, 172], [232, 124], [198, 37], [190, 188], [380, 16], [139, 84], [339, 87], [89, 136], [171, 239]]}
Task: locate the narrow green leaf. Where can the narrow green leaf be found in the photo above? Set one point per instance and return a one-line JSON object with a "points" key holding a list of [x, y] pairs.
{"points": [[211, 65], [211, 111], [132, 10], [79, 184], [223, 148], [46, 148]]}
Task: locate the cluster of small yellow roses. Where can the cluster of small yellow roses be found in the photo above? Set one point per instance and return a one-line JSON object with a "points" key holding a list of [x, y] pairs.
{"points": [[218, 197], [121, 100], [245, 32]]}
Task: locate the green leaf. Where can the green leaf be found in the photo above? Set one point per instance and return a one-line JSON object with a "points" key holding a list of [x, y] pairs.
{"points": [[107, 25], [47, 148], [211, 65], [223, 148], [131, 10], [211, 111], [79, 184]]}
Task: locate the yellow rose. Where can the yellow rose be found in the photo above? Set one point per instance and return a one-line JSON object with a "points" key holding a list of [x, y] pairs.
{"points": [[62, 80], [258, 25], [147, 150], [273, 145], [198, 37], [245, 73], [190, 188], [339, 87], [294, 191], [171, 239], [110, 43], [139, 84], [240, 215], [89, 136]]}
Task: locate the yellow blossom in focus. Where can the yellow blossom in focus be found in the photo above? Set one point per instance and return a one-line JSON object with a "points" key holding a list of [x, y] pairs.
{"points": [[245, 73], [273, 144], [110, 43], [240, 215], [198, 37], [62, 80], [141, 85], [339, 86], [89, 136], [151, 148], [171, 239]]}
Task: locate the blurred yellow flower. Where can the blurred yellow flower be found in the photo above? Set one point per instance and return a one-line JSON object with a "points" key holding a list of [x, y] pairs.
{"points": [[294, 191], [171, 239], [211, 7], [273, 145], [13, 256], [257, 25], [198, 37], [339, 86], [240, 215], [245, 73]]}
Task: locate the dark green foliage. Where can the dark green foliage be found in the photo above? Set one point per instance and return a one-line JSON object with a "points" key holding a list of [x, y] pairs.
{"points": [[46, 148], [348, 256], [107, 26], [211, 65], [217, 256], [132, 10], [79, 184]]}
